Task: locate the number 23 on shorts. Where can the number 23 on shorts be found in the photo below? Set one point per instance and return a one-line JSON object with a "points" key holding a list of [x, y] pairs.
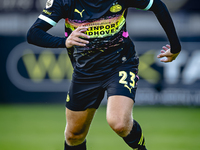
{"points": [[124, 75]]}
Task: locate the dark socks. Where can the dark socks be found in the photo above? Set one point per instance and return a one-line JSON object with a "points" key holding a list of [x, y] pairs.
{"points": [[78, 147], [135, 138]]}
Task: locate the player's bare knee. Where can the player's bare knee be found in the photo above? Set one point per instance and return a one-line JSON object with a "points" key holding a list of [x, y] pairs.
{"points": [[120, 129], [119, 126], [74, 138]]}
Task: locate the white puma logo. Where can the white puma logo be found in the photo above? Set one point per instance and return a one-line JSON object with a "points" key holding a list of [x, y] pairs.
{"points": [[81, 13], [128, 87]]}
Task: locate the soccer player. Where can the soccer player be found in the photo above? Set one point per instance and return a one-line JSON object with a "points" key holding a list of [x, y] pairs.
{"points": [[103, 58]]}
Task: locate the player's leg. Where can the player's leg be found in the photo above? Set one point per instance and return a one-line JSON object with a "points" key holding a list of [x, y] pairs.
{"points": [[121, 94], [119, 114], [119, 117], [83, 99], [77, 126]]}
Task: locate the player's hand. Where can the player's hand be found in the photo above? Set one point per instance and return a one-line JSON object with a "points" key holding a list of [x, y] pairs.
{"points": [[74, 38], [165, 52]]}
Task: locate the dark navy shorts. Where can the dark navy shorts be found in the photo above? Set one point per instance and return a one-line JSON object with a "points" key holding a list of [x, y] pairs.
{"points": [[121, 81]]}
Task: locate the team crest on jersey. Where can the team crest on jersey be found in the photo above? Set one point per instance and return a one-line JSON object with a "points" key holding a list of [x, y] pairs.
{"points": [[49, 3], [115, 8]]}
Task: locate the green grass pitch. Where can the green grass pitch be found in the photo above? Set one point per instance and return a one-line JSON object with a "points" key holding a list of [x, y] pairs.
{"points": [[41, 127]]}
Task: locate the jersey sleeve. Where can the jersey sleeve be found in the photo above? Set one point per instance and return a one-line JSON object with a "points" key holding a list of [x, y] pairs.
{"points": [[37, 34], [53, 12], [164, 18], [140, 4]]}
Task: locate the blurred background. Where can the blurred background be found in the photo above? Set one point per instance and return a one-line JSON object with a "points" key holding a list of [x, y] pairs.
{"points": [[46, 74], [35, 81]]}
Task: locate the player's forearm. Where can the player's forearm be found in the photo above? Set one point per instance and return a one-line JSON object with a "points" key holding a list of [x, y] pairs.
{"points": [[37, 35], [165, 20], [40, 38]]}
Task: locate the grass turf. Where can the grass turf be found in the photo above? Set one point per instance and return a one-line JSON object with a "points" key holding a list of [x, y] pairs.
{"points": [[41, 127]]}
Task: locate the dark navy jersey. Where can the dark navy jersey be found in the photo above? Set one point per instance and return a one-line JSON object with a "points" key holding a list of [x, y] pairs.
{"points": [[109, 43]]}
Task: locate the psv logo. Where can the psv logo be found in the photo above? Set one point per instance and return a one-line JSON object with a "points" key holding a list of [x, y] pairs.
{"points": [[115, 8]]}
